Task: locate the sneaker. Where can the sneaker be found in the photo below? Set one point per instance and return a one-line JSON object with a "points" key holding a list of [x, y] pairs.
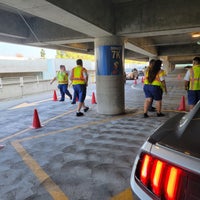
{"points": [[61, 100], [78, 114], [160, 114], [86, 109], [145, 115], [73, 102]]}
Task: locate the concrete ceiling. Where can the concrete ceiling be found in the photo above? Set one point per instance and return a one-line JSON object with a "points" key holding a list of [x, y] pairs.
{"points": [[150, 28]]}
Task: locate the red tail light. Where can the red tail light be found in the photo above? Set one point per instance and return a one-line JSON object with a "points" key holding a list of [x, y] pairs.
{"points": [[156, 178], [172, 182], [145, 169], [161, 178]]}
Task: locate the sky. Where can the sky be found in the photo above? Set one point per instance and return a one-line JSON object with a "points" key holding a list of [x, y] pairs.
{"points": [[11, 50]]}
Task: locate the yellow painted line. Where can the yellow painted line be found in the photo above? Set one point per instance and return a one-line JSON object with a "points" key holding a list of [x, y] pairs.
{"points": [[23, 105], [124, 195], [45, 180], [14, 135], [58, 116], [90, 123], [43, 177], [41, 101], [27, 129], [176, 111], [85, 125], [76, 127]]}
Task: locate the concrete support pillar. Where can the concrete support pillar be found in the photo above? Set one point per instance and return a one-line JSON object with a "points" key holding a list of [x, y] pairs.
{"points": [[172, 67], [109, 53], [166, 64]]}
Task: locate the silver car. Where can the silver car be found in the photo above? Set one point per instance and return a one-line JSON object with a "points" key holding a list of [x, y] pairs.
{"points": [[168, 164]]}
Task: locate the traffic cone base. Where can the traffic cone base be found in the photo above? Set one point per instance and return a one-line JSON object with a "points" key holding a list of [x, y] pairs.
{"points": [[1, 146], [55, 96], [93, 99], [36, 121], [182, 106]]}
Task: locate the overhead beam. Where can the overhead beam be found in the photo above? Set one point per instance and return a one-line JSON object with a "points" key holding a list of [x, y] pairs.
{"points": [[180, 59], [138, 49], [71, 41], [46, 31], [55, 14], [9, 26], [98, 12], [153, 18], [179, 50]]}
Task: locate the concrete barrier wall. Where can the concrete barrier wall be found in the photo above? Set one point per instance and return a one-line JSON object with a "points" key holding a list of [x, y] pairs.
{"points": [[16, 90], [24, 77], [19, 88], [16, 66]]}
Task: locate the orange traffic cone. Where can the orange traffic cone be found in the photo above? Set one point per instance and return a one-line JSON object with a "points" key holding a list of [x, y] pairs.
{"points": [[76, 99], [93, 99], [55, 96], [179, 77], [1, 146], [135, 82], [36, 120], [182, 104], [142, 80]]}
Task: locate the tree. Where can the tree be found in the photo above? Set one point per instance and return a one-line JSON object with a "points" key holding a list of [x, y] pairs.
{"points": [[73, 55], [60, 54], [42, 53]]}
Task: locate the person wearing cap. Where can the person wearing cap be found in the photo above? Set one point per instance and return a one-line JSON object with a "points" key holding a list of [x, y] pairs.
{"points": [[79, 78], [62, 78], [192, 83]]}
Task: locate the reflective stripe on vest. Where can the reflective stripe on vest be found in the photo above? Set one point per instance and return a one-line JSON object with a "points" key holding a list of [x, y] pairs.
{"points": [[62, 77], [195, 78], [156, 81], [77, 75]]}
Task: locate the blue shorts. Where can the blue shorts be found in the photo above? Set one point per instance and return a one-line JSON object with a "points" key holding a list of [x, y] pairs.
{"points": [[153, 91], [80, 91], [193, 96]]}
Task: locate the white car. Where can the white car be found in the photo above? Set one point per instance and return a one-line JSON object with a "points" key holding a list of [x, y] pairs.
{"points": [[168, 164]]}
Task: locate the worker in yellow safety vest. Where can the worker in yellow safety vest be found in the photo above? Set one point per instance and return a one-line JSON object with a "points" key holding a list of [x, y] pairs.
{"points": [[192, 83], [79, 78], [154, 85], [151, 64], [62, 78]]}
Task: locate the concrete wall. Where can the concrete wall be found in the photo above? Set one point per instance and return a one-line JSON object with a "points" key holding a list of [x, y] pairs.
{"points": [[20, 86], [24, 77], [17, 90], [12, 66]]}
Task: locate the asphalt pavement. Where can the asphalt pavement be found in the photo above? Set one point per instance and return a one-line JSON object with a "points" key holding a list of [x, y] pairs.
{"points": [[76, 158]]}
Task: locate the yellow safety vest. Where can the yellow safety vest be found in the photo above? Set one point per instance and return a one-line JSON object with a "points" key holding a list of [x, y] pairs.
{"points": [[62, 77], [156, 81], [77, 75], [195, 78]]}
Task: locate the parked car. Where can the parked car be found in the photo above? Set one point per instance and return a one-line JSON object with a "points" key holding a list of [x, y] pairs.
{"points": [[141, 73], [132, 75], [167, 166]]}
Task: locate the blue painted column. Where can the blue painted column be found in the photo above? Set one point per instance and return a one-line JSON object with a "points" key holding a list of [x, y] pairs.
{"points": [[109, 54]]}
